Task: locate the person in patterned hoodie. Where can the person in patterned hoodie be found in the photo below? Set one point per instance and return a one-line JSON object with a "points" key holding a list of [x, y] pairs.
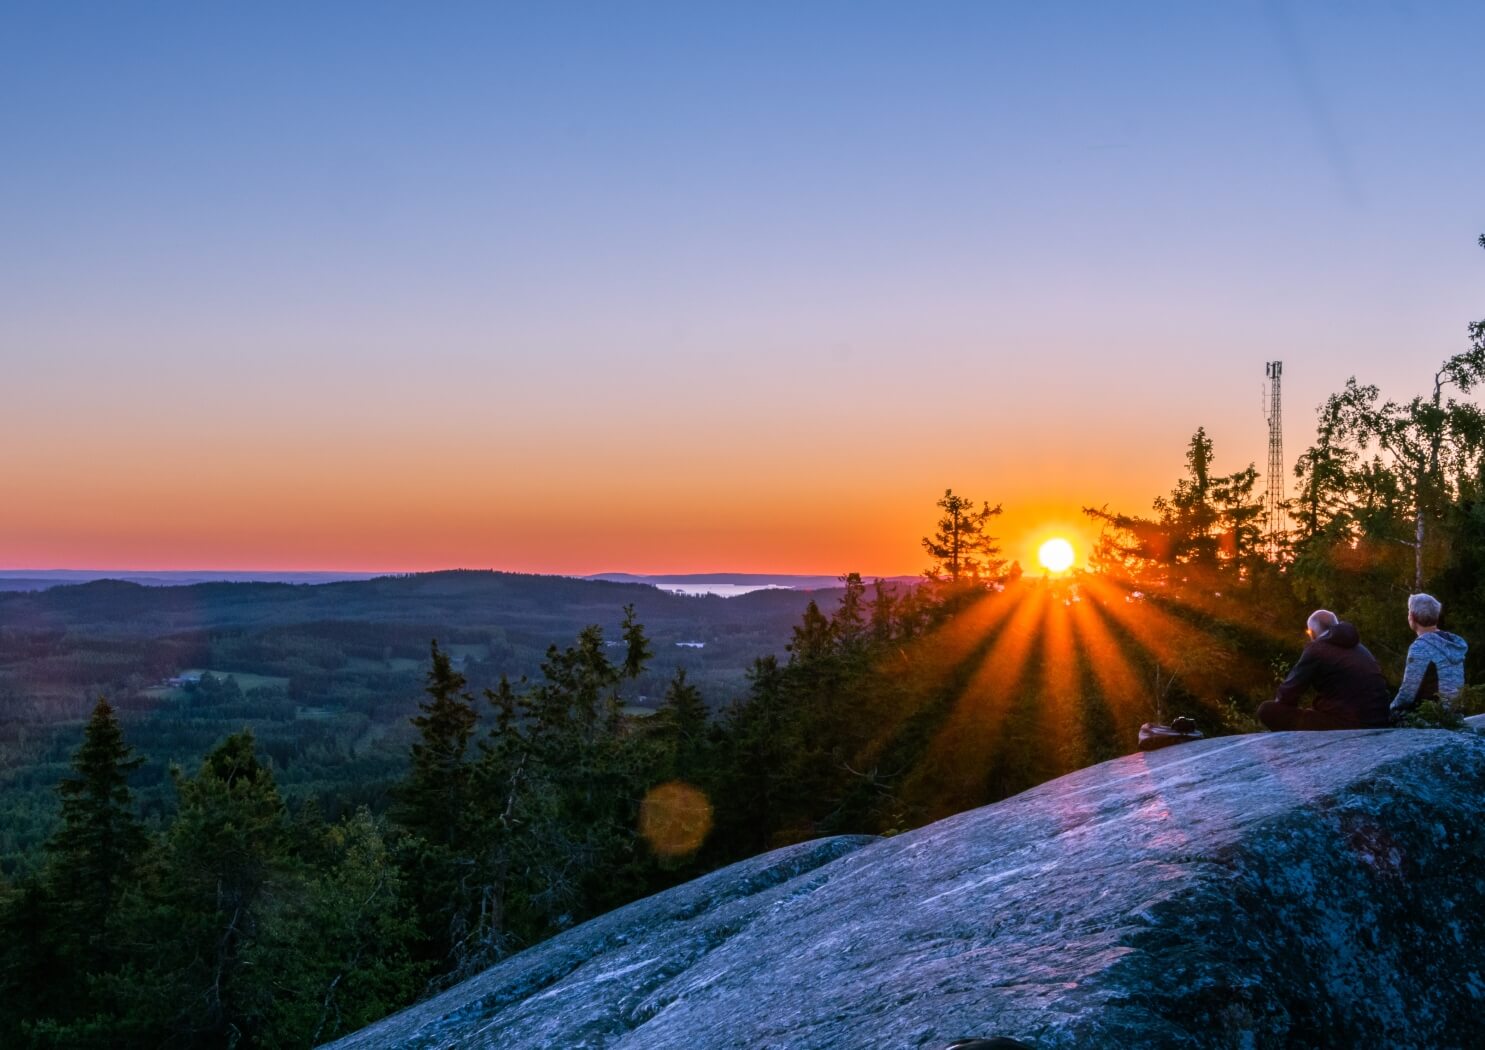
{"points": [[1435, 668]]}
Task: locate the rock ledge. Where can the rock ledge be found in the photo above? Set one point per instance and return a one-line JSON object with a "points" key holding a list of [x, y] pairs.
{"points": [[1288, 889]]}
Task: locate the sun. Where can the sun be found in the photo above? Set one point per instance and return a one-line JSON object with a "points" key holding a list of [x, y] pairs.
{"points": [[1056, 555]]}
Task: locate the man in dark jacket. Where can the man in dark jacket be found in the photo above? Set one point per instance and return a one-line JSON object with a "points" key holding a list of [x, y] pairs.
{"points": [[1350, 692]]}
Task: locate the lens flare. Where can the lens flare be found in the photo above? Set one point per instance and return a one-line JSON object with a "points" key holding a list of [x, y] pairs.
{"points": [[1056, 555], [674, 819]]}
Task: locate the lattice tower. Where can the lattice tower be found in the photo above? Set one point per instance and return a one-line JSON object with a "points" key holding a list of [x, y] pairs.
{"points": [[1275, 503]]}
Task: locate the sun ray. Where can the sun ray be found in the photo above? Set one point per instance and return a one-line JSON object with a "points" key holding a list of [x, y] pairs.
{"points": [[1203, 663], [950, 776], [1059, 715], [962, 635], [1203, 592], [929, 674], [1122, 690], [933, 660]]}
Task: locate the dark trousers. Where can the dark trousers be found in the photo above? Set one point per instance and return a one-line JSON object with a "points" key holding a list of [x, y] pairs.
{"points": [[1279, 716]]}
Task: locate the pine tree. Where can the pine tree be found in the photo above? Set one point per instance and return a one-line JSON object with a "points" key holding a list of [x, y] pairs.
{"points": [[812, 636], [93, 853], [637, 651], [1209, 525], [222, 870], [1188, 513], [753, 778], [338, 941], [683, 720], [848, 622], [883, 613], [434, 799], [960, 548], [436, 803]]}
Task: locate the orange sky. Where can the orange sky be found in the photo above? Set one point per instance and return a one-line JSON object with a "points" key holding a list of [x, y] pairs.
{"points": [[701, 290], [213, 463], [192, 488]]}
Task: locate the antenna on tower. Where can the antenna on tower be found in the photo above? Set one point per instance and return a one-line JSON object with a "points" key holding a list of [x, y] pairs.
{"points": [[1275, 503]]}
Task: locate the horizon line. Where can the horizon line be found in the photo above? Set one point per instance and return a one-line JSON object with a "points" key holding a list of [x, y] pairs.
{"points": [[418, 572]]}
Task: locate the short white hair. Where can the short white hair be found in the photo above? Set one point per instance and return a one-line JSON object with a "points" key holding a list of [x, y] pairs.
{"points": [[1425, 609], [1321, 620]]}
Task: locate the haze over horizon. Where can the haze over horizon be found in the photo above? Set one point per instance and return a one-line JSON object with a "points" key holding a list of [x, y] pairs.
{"points": [[559, 289], [198, 575]]}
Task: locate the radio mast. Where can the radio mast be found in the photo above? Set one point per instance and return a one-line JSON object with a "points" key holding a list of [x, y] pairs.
{"points": [[1275, 529]]}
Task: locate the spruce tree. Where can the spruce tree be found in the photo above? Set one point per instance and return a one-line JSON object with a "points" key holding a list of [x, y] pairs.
{"points": [[93, 853], [848, 622], [637, 651], [813, 639], [683, 722], [883, 613], [338, 941], [436, 803], [223, 868], [434, 799]]}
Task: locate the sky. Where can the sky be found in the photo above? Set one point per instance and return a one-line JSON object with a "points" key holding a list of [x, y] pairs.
{"points": [[697, 287]]}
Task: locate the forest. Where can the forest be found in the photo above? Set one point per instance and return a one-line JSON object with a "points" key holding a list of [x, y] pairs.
{"points": [[233, 911], [323, 675]]}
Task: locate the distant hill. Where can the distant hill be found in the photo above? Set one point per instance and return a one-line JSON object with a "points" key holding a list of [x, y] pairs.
{"points": [[736, 580], [42, 579], [463, 597], [326, 674]]}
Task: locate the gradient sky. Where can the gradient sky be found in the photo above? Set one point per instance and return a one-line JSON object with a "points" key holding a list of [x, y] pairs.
{"points": [[654, 287]]}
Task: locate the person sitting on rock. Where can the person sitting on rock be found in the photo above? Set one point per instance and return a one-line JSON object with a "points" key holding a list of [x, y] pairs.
{"points": [[1435, 668], [1350, 692]]}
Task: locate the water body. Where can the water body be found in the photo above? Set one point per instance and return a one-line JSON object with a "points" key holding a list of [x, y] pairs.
{"points": [[724, 590]]}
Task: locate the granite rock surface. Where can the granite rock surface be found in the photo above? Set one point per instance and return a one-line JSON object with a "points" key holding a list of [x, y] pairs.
{"points": [[1274, 890]]}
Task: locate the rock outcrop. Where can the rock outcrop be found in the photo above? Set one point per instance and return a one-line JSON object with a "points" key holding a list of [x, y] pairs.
{"points": [[1292, 889]]}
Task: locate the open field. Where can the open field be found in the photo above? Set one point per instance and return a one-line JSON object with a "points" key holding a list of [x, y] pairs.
{"points": [[246, 681]]}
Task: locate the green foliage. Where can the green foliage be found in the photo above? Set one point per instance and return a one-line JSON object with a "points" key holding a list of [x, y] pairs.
{"points": [[323, 675], [533, 825], [1470, 701], [218, 877], [1431, 714], [1424, 447], [338, 941], [434, 800], [93, 853], [232, 927], [680, 725], [637, 651]]}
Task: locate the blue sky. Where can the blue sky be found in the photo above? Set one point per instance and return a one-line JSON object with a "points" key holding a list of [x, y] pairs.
{"points": [[787, 250]]}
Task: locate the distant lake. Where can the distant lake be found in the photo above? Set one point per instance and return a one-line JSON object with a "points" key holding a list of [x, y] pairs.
{"points": [[725, 590]]}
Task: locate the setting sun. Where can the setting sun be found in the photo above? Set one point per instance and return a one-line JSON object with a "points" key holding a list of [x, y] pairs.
{"points": [[1056, 555]]}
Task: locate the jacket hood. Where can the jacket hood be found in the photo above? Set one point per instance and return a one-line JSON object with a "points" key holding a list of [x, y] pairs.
{"points": [[1443, 644], [1345, 635]]}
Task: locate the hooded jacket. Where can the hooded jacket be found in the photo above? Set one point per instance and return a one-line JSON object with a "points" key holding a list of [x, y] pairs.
{"points": [[1435, 668], [1346, 677]]}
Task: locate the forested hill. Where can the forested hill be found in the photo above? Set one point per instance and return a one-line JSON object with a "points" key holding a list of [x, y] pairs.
{"points": [[326, 675], [455, 597]]}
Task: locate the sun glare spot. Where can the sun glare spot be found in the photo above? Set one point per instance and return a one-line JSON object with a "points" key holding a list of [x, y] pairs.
{"points": [[1056, 555], [675, 818]]}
